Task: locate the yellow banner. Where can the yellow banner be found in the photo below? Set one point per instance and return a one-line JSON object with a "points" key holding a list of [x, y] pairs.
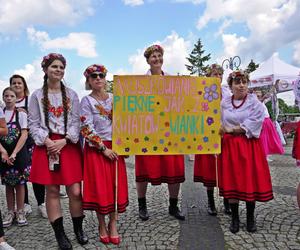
{"points": [[161, 115]]}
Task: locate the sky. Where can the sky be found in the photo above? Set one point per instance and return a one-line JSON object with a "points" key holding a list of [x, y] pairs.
{"points": [[115, 33]]}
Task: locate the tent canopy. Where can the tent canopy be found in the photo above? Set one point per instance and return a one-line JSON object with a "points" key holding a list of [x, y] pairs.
{"points": [[274, 71]]}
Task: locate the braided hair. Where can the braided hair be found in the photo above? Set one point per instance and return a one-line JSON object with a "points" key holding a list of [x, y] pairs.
{"points": [[47, 60]]}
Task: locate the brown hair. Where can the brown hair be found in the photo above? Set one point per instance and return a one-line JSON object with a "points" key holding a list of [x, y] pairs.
{"points": [[237, 75], [46, 101], [26, 90], [8, 88]]}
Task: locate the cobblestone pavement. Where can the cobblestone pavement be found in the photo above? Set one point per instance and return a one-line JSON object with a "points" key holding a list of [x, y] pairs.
{"points": [[278, 221]]}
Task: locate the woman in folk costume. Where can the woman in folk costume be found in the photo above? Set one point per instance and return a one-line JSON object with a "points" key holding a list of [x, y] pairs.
{"points": [[19, 85], [57, 159], [100, 161], [205, 165], [269, 136], [244, 173], [158, 169]]}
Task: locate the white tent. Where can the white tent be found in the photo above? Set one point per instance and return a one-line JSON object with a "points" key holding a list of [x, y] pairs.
{"points": [[275, 71]]}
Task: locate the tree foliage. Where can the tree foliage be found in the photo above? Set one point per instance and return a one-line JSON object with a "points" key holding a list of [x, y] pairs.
{"points": [[252, 66], [198, 60]]}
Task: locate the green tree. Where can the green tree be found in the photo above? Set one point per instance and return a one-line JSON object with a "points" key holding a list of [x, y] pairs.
{"points": [[252, 66], [197, 60], [283, 108]]}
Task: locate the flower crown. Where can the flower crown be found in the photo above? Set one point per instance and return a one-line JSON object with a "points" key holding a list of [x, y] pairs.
{"points": [[94, 68], [152, 49], [238, 73], [214, 68], [51, 57]]}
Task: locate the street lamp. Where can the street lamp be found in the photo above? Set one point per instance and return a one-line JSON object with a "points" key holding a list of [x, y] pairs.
{"points": [[232, 62]]}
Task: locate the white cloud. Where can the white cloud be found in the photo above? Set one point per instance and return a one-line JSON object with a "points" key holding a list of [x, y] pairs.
{"points": [[133, 2], [83, 43], [176, 49], [16, 15], [269, 24], [232, 43], [189, 1], [296, 54]]}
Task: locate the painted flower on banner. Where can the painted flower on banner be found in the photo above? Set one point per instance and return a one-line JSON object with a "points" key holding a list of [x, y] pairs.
{"points": [[211, 93], [127, 149], [210, 120], [204, 106], [205, 139], [144, 150]]}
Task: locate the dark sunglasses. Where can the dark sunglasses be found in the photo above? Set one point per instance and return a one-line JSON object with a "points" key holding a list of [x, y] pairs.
{"points": [[95, 75]]}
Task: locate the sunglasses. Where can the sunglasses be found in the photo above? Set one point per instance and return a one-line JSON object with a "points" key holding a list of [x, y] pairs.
{"points": [[95, 75]]}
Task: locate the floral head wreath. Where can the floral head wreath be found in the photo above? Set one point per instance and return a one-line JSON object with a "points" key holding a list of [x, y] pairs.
{"points": [[238, 74], [214, 68], [48, 59], [94, 68], [152, 49]]}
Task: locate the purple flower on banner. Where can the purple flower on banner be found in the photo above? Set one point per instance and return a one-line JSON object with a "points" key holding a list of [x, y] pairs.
{"points": [[211, 93], [210, 120], [144, 150], [166, 150]]}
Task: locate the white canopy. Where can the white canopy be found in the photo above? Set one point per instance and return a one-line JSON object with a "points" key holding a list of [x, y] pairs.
{"points": [[274, 71]]}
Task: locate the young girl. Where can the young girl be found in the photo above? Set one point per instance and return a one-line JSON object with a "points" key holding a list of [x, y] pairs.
{"points": [[99, 159], [14, 168], [3, 131], [56, 159], [19, 85]]}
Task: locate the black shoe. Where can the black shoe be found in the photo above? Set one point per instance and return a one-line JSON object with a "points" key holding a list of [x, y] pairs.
{"points": [[251, 224], [143, 212], [174, 211], [235, 221], [61, 238], [80, 234], [227, 209], [211, 208]]}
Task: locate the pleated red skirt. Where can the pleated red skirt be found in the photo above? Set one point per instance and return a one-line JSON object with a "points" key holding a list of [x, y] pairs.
{"points": [[158, 169], [244, 172], [99, 182], [270, 138], [205, 169], [71, 165], [296, 144]]}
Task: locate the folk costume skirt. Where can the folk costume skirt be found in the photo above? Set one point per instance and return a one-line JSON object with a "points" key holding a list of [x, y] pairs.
{"points": [[99, 182], [71, 165], [270, 139], [244, 173], [205, 169], [158, 169], [296, 144]]}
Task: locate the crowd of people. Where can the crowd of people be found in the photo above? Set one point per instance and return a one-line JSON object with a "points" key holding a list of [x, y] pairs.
{"points": [[53, 139]]}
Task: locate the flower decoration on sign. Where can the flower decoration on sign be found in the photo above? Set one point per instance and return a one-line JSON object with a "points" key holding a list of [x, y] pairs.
{"points": [[204, 106], [211, 93], [205, 139], [127, 150], [136, 140], [161, 141], [144, 150], [199, 147], [209, 120], [166, 150], [146, 138]]}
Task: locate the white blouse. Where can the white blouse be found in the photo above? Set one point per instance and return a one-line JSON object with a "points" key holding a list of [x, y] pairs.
{"points": [[249, 116], [95, 116], [22, 118], [1, 113], [36, 118]]}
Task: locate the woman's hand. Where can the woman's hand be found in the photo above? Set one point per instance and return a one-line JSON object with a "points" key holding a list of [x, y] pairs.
{"points": [[12, 157], [57, 146], [112, 155], [4, 156]]}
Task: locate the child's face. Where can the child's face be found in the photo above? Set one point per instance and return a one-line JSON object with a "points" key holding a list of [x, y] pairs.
{"points": [[259, 94], [9, 97]]}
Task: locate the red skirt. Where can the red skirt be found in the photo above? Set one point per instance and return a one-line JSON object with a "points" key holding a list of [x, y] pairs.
{"points": [[244, 172], [158, 169], [99, 182], [270, 139], [71, 164], [296, 144], [205, 169]]}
